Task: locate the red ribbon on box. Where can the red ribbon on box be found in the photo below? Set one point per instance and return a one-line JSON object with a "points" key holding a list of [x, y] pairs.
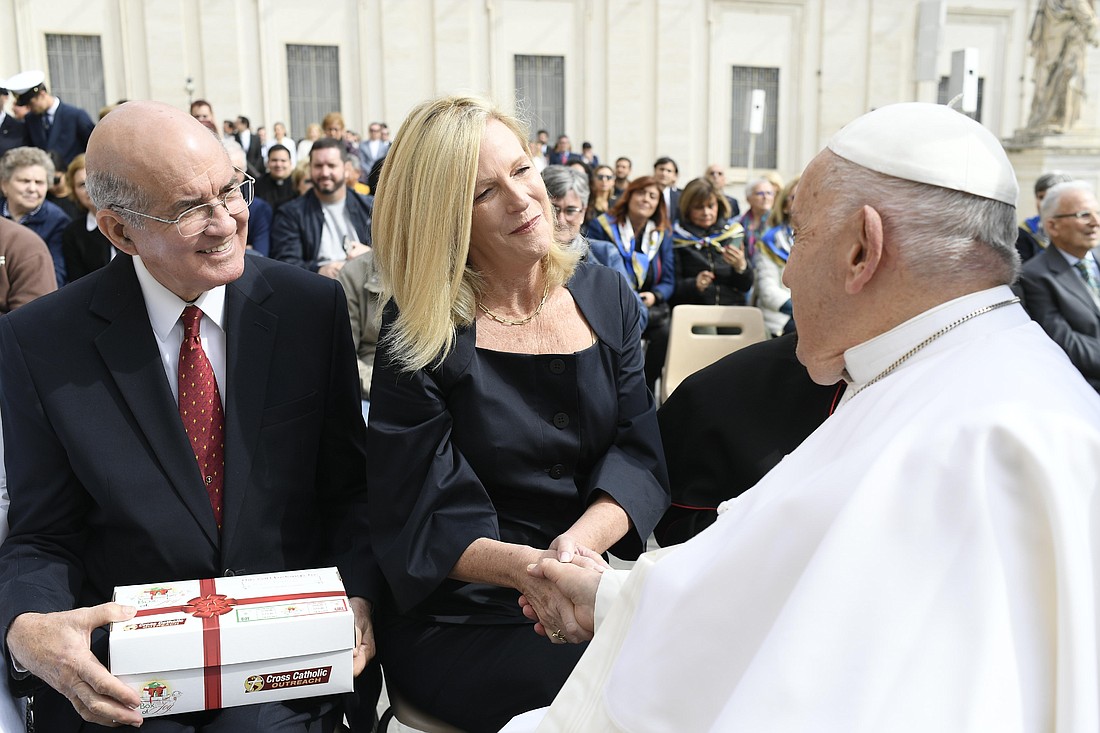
{"points": [[208, 606]]}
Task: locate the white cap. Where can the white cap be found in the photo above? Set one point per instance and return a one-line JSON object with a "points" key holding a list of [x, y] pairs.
{"points": [[24, 82], [929, 143]]}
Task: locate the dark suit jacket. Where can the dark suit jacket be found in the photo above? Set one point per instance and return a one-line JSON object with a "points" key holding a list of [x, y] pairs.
{"points": [[296, 231], [13, 134], [366, 160], [253, 155], [1058, 299], [68, 136], [84, 251], [104, 487], [674, 205]]}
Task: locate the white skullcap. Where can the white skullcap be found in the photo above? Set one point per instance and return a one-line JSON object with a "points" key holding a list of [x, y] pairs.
{"points": [[929, 143]]}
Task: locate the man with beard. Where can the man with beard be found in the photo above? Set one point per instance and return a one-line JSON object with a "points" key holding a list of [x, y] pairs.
{"points": [[323, 229]]}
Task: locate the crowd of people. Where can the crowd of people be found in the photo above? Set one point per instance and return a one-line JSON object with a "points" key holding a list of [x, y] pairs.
{"points": [[912, 516]]}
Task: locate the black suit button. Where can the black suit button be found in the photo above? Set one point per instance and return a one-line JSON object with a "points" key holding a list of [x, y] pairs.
{"points": [[557, 470], [561, 421], [557, 366]]}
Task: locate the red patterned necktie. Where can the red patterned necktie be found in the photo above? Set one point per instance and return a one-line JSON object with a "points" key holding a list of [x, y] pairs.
{"points": [[201, 409]]}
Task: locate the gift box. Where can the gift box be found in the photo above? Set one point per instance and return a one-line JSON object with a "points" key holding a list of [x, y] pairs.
{"points": [[241, 640]]}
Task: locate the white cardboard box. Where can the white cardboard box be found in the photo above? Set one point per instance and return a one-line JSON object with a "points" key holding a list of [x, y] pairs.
{"points": [[208, 644]]}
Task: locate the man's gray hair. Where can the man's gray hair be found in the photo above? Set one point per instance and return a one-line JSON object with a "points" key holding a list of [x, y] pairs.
{"points": [[24, 157], [754, 183], [1049, 207], [1048, 181], [942, 234], [108, 189], [561, 179]]}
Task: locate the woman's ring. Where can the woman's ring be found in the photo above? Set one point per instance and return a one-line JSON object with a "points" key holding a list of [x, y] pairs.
{"points": [[559, 637]]}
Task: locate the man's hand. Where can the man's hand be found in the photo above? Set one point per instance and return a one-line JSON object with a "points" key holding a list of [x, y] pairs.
{"points": [[330, 269], [55, 647], [355, 249], [576, 584], [364, 635]]}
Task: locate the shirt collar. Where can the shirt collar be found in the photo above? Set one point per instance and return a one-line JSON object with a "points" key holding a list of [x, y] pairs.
{"points": [[53, 107], [165, 307], [1072, 260], [867, 360]]}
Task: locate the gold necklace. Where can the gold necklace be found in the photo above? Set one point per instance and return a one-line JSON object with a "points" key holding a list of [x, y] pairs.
{"points": [[522, 321]]}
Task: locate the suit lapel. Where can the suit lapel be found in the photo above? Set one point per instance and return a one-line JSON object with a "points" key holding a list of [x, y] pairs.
{"points": [[1070, 279], [250, 343], [129, 350]]}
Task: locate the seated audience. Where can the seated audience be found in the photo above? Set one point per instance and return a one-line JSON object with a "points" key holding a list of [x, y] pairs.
{"points": [[26, 268], [711, 268], [603, 186], [83, 245], [322, 229], [1061, 286], [568, 190], [276, 187], [760, 193], [509, 420], [363, 289], [771, 294], [639, 227], [24, 173]]}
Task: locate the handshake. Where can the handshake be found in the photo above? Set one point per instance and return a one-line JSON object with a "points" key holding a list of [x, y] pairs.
{"points": [[559, 594]]}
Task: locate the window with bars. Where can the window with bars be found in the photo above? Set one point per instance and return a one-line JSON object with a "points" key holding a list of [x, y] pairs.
{"points": [[941, 96], [76, 71], [745, 80], [540, 93], [313, 75]]}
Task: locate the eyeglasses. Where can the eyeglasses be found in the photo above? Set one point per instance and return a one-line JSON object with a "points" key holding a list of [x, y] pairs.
{"points": [[196, 220], [568, 210], [764, 194], [605, 177], [1079, 215]]}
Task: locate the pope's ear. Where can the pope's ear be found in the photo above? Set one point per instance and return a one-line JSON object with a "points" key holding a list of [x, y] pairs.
{"points": [[865, 253], [115, 228]]}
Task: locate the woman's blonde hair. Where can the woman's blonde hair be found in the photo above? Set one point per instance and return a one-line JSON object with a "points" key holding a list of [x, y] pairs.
{"points": [[781, 210], [423, 212]]}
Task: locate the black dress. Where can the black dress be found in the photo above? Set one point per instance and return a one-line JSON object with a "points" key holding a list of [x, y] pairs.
{"points": [[511, 447]]}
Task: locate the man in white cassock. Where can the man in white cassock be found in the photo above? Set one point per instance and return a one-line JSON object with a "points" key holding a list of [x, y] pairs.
{"points": [[927, 559]]}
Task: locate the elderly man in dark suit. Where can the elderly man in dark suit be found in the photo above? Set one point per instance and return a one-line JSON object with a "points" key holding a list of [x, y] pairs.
{"points": [[52, 125], [1061, 286], [110, 484]]}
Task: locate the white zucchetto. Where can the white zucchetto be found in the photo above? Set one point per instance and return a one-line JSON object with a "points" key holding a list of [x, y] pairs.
{"points": [[929, 143]]}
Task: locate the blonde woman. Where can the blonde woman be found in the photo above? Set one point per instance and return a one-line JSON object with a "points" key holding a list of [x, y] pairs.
{"points": [[509, 419]]}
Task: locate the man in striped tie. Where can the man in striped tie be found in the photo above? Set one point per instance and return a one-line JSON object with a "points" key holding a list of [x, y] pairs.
{"points": [[1061, 286]]}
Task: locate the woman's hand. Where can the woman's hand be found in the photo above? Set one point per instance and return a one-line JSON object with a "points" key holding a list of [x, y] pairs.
{"points": [[703, 280], [577, 586], [565, 548], [735, 258], [648, 299]]}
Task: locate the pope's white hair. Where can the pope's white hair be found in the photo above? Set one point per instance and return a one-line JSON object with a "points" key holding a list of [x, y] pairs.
{"points": [[940, 233]]}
